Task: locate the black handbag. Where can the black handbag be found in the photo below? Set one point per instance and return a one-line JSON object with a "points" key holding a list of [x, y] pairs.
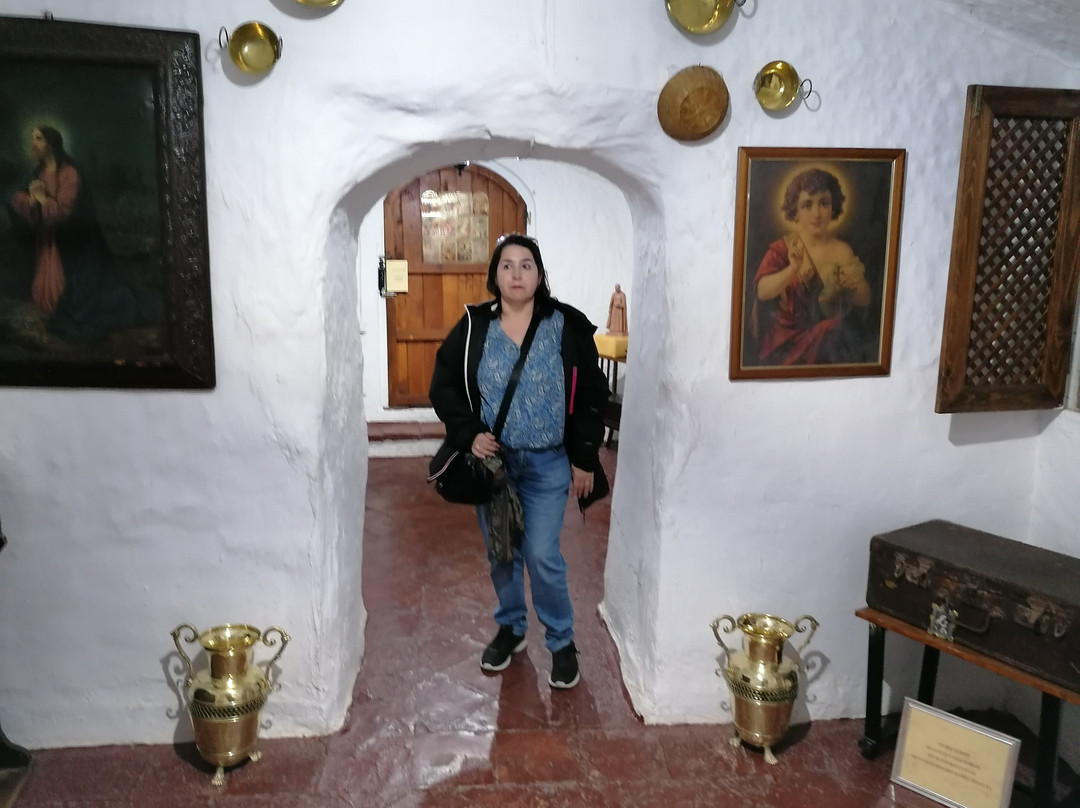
{"points": [[462, 477]]}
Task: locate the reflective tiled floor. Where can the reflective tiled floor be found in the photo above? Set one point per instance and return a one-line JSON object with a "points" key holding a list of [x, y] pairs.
{"points": [[428, 728]]}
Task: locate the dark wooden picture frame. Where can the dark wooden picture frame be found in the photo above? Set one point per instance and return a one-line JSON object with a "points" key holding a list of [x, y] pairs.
{"points": [[104, 254], [827, 307]]}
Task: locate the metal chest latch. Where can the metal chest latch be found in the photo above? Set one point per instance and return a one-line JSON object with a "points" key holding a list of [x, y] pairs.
{"points": [[942, 621]]}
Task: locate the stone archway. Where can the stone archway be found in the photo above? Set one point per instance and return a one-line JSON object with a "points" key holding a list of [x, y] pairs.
{"points": [[345, 360]]}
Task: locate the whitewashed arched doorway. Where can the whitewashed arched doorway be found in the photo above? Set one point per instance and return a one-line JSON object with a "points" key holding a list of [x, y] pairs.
{"points": [[586, 232]]}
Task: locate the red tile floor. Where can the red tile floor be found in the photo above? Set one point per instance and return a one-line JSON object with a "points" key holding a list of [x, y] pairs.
{"points": [[428, 728]]}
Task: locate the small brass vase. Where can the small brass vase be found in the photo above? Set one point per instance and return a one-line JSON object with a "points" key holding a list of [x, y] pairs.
{"points": [[224, 700], [763, 682]]}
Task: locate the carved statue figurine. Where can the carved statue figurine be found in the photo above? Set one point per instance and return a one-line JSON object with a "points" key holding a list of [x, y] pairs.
{"points": [[617, 319]]}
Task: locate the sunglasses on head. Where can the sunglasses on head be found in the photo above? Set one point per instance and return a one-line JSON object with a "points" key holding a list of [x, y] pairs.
{"points": [[505, 236]]}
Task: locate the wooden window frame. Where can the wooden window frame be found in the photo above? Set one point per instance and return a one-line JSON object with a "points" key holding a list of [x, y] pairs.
{"points": [[955, 392]]}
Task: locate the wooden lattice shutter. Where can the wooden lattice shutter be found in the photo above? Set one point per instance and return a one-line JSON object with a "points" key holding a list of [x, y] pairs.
{"points": [[1013, 274]]}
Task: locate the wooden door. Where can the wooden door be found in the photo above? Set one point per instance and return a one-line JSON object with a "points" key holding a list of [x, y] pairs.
{"points": [[444, 224]]}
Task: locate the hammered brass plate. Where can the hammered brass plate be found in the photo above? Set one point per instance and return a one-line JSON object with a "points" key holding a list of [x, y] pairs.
{"points": [[776, 85], [693, 103], [700, 16]]}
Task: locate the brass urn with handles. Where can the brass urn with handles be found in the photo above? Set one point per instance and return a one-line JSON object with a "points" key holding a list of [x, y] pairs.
{"points": [[763, 682], [225, 699]]}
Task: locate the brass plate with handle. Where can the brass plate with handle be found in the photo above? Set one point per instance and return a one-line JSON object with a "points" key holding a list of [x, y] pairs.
{"points": [[253, 47], [701, 16], [777, 85]]}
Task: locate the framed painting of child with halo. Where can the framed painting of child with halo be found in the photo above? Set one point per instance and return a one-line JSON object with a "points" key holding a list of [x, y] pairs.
{"points": [[817, 235]]}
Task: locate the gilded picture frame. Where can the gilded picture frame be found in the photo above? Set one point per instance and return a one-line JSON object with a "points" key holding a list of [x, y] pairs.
{"points": [[104, 256], [817, 234]]}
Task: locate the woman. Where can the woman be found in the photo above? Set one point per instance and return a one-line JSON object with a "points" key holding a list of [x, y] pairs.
{"points": [[76, 281], [810, 282], [549, 443]]}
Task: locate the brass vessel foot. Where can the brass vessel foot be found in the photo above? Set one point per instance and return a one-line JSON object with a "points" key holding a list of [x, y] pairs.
{"points": [[219, 777], [736, 741], [255, 756]]}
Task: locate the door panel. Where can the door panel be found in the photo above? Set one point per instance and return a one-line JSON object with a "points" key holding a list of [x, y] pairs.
{"points": [[461, 214]]}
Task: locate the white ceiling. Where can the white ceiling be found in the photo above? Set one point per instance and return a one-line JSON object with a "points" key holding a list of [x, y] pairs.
{"points": [[1052, 26]]}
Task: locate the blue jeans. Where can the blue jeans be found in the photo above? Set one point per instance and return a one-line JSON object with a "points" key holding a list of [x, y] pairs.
{"points": [[541, 479]]}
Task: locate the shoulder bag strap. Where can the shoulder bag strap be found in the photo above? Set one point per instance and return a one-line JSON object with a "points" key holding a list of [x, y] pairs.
{"points": [[515, 375]]}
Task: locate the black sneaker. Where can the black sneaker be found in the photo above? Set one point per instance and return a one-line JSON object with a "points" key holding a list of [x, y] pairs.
{"points": [[497, 655], [564, 668]]}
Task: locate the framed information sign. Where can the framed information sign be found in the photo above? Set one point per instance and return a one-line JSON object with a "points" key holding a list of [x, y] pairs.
{"points": [[953, 761]]}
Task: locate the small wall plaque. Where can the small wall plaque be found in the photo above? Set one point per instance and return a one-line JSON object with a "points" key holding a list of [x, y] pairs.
{"points": [[953, 761], [397, 275]]}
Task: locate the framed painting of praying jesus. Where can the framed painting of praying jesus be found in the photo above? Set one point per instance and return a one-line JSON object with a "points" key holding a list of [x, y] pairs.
{"points": [[817, 236], [104, 260]]}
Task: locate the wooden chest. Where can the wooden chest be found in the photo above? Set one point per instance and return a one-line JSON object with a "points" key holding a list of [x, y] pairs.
{"points": [[1012, 601]]}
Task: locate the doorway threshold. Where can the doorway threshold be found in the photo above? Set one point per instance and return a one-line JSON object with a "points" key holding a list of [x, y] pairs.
{"points": [[405, 430], [404, 438]]}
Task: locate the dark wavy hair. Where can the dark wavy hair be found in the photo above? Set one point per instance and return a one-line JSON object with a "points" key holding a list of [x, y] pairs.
{"points": [[543, 291], [813, 181], [56, 144]]}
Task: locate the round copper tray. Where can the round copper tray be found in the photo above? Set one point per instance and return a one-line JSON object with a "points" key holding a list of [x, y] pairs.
{"points": [[693, 103]]}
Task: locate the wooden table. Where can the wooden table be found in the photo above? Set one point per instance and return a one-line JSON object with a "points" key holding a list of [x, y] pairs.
{"points": [[872, 742], [609, 363]]}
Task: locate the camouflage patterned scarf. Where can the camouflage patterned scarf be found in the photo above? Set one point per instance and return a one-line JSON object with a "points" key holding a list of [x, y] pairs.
{"points": [[506, 518]]}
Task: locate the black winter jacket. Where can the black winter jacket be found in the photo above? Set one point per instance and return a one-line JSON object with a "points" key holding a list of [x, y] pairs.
{"points": [[455, 392]]}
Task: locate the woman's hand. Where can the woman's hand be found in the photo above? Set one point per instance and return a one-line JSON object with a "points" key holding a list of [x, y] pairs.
{"points": [[484, 445], [581, 483]]}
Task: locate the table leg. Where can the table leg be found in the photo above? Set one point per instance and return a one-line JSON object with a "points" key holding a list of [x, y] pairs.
{"points": [[870, 742], [1046, 767], [608, 367], [928, 675]]}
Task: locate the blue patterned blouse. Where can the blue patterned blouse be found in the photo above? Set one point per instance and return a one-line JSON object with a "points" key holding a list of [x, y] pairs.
{"points": [[537, 417]]}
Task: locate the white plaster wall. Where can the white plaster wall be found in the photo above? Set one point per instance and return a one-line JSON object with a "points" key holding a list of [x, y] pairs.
{"points": [[1055, 514], [582, 223], [130, 512], [767, 493]]}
